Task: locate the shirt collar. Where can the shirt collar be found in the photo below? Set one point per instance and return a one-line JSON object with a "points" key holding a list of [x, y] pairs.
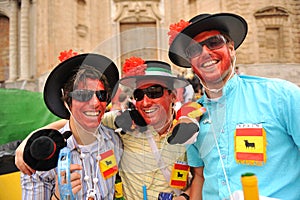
{"points": [[228, 88]]}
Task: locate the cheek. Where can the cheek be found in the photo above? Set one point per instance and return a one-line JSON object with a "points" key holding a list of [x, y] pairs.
{"points": [[165, 107], [226, 63], [196, 70], [75, 107]]}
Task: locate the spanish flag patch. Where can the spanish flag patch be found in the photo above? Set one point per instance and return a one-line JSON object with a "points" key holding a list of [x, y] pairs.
{"points": [[250, 144], [108, 164], [179, 175]]}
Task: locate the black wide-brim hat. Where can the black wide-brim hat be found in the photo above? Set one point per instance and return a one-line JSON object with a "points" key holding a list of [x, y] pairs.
{"points": [[61, 74], [155, 70], [233, 25], [42, 149]]}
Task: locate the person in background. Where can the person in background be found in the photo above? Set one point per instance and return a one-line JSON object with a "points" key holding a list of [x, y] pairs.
{"points": [[77, 90], [252, 123]]}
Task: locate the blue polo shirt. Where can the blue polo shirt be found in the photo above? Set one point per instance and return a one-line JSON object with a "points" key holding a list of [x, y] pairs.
{"points": [[256, 124]]}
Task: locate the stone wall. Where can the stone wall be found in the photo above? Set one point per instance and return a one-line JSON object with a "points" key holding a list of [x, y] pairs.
{"points": [[95, 26]]}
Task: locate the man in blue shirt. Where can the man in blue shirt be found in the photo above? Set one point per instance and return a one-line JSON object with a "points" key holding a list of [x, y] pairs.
{"points": [[251, 125]]}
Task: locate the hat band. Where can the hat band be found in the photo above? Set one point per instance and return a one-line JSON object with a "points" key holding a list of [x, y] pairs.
{"points": [[158, 71]]}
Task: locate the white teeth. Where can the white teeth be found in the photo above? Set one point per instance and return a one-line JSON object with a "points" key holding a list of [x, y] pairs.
{"points": [[149, 111], [209, 63], [90, 113]]}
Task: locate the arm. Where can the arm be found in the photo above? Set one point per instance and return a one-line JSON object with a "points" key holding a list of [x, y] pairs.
{"points": [[197, 184], [21, 165]]}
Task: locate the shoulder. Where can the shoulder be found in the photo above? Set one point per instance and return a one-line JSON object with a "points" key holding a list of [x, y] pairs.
{"points": [[108, 119], [276, 84]]}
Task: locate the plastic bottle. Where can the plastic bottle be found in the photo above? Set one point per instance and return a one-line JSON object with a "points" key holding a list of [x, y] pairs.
{"points": [[119, 188], [250, 186]]}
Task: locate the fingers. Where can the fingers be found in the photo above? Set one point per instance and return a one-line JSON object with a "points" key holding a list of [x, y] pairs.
{"points": [[75, 178], [74, 167], [19, 162], [76, 182]]}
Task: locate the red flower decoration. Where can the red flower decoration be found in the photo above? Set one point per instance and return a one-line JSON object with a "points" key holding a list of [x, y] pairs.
{"points": [[64, 55], [176, 28], [134, 66]]}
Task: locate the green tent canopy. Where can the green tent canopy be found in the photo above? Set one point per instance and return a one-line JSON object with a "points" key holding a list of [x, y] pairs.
{"points": [[21, 112]]}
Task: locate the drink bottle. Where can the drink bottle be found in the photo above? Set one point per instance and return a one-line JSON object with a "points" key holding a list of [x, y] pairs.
{"points": [[250, 186], [119, 188]]}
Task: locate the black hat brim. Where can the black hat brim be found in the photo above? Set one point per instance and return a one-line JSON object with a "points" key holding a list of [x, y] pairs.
{"points": [[60, 75], [231, 24], [47, 164]]}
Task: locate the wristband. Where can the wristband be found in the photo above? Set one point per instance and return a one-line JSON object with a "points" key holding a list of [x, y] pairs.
{"points": [[187, 197]]}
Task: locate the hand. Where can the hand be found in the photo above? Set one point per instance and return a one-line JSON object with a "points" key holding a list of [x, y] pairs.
{"points": [[184, 132], [75, 180], [19, 162], [130, 120], [123, 121]]}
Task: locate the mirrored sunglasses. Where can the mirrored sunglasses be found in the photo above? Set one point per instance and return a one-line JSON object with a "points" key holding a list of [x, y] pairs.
{"points": [[86, 95], [212, 43], [153, 92]]}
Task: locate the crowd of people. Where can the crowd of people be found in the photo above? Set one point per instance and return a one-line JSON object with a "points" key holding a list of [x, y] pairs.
{"points": [[250, 124]]}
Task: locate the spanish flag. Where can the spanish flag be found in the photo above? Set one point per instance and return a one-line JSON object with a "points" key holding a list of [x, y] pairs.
{"points": [[108, 164], [179, 175], [250, 144]]}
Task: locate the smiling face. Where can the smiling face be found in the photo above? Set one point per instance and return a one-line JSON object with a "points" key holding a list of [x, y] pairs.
{"points": [[213, 67], [89, 113], [156, 112]]}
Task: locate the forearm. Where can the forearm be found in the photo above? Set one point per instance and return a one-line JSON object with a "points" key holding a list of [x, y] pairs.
{"points": [[197, 184]]}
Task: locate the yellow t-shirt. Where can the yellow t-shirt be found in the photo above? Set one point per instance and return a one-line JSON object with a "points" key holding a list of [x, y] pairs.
{"points": [[138, 164]]}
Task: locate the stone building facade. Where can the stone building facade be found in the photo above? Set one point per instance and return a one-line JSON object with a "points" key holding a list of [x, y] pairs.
{"points": [[34, 32]]}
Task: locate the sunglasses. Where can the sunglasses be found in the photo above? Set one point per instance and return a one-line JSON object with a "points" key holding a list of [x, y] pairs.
{"points": [[86, 95], [212, 43], [153, 92]]}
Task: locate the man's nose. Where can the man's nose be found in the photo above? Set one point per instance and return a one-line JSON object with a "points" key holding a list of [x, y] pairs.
{"points": [[94, 99], [205, 48], [146, 100]]}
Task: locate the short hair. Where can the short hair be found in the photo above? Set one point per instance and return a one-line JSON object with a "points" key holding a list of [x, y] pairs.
{"points": [[84, 72]]}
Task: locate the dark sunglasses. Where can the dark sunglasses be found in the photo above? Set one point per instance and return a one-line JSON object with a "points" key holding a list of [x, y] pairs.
{"points": [[86, 95], [153, 92], [212, 43]]}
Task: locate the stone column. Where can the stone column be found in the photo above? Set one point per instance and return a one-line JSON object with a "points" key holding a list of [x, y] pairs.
{"points": [[13, 41], [24, 41]]}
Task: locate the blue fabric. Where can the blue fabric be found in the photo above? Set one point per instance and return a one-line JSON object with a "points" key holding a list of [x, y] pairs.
{"points": [[272, 103], [41, 184]]}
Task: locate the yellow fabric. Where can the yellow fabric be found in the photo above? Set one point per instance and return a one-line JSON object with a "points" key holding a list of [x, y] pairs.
{"points": [[138, 165], [10, 186]]}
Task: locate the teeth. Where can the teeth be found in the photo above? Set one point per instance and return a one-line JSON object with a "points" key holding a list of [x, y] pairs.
{"points": [[149, 111], [90, 113], [209, 63]]}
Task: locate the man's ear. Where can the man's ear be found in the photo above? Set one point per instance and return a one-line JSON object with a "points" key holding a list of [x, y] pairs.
{"points": [[231, 50], [174, 95]]}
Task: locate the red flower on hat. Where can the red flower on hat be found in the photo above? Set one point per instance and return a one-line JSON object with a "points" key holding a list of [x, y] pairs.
{"points": [[176, 28], [64, 55], [134, 66]]}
